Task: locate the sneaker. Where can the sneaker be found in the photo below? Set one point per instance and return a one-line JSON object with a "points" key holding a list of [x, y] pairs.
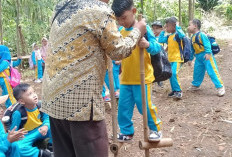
{"points": [[38, 81], [106, 99], [178, 95], [124, 138], [172, 94], [45, 153], [221, 91], [155, 136], [193, 88], [116, 94]]}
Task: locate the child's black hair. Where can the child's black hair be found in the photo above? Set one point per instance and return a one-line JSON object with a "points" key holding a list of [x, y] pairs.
{"points": [[171, 20], [19, 90], [120, 6], [197, 22]]}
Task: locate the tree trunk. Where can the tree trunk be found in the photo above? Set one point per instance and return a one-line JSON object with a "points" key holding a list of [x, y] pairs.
{"points": [[1, 27], [155, 17], [180, 20], [23, 45], [141, 1], [193, 8], [17, 28], [190, 10]]}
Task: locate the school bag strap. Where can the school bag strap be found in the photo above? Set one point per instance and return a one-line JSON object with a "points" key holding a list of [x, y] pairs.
{"points": [[197, 39], [178, 40]]}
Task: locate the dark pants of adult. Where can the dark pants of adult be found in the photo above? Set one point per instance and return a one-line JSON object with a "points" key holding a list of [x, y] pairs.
{"points": [[79, 138]]}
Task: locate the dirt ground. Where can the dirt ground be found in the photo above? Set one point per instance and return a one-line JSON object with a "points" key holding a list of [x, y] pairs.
{"points": [[200, 124]]}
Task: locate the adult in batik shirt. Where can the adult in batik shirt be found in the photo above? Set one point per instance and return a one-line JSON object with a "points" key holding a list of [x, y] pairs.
{"points": [[83, 33]]}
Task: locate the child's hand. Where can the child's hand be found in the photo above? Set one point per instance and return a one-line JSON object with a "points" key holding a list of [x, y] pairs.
{"points": [[141, 25], [20, 57], [207, 56], [16, 135], [143, 43], [43, 130]]}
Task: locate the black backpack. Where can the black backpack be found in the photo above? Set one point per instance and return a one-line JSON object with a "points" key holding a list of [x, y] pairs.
{"points": [[186, 51], [214, 46], [161, 65], [17, 107]]}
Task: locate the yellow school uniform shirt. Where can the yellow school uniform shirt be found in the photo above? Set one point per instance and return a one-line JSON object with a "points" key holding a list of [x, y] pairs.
{"points": [[198, 49], [173, 50], [33, 119], [131, 66]]}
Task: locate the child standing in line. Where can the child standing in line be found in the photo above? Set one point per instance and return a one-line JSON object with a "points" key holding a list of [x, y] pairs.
{"points": [[130, 88], [37, 123], [37, 62], [8, 144], [205, 60], [115, 69], [5, 61], [157, 28], [174, 54]]}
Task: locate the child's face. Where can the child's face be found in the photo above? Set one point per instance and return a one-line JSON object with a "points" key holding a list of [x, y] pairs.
{"points": [[171, 27], [29, 97], [127, 19], [191, 27], [36, 47], [156, 30], [44, 42]]}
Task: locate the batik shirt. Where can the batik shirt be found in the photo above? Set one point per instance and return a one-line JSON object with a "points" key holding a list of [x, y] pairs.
{"points": [[82, 33]]}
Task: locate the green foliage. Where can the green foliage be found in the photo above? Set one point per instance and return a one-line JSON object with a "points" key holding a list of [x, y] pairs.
{"points": [[208, 5], [34, 20]]}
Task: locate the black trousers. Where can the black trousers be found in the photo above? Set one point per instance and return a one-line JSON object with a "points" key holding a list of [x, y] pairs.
{"points": [[79, 138]]}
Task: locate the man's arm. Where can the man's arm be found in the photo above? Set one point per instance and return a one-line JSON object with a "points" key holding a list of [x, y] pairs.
{"points": [[115, 46]]}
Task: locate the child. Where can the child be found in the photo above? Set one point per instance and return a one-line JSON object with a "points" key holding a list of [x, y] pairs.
{"points": [[205, 60], [174, 55], [5, 61], [116, 67], [8, 145], [37, 124], [37, 62], [157, 27], [130, 89]]}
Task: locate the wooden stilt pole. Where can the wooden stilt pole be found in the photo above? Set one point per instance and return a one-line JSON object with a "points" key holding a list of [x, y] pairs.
{"points": [[114, 147], [142, 78]]}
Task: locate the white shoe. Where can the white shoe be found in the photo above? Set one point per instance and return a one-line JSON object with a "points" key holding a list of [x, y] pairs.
{"points": [[155, 136], [221, 91], [38, 81], [193, 88]]}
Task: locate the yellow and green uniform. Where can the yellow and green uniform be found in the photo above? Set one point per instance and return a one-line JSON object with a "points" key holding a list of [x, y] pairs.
{"points": [[201, 64], [174, 55], [5, 60], [35, 120], [130, 88]]}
